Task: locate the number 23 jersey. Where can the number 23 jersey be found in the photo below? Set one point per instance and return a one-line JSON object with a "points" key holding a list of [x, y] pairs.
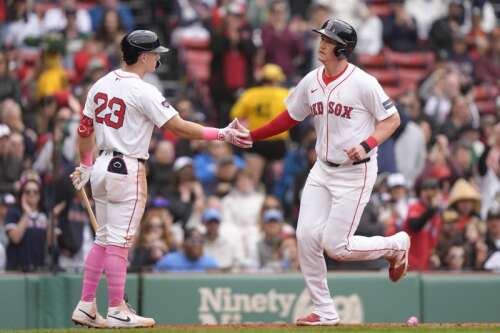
{"points": [[125, 110]]}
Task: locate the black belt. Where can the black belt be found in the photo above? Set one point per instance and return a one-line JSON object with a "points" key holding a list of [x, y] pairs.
{"points": [[118, 154], [336, 165]]}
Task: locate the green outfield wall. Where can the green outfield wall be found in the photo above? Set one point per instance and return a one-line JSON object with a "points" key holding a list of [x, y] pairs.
{"points": [[41, 301]]}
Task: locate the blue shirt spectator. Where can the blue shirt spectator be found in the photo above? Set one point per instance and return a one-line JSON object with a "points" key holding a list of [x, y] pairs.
{"points": [[97, 16]]}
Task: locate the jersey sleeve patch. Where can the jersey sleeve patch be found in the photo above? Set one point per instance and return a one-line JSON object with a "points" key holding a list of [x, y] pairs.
{"points": [[165, 104], [388, 104]]}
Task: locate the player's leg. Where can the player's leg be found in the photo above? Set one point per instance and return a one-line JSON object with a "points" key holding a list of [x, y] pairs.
{"points": [[313, 215], [126, 189], [351, 187], [86, 312]]}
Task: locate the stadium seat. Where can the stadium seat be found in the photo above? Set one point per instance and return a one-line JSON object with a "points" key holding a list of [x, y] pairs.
{"points": [[409, 59], [411, 75], [198, 64], [386, 77], [371, 61]]}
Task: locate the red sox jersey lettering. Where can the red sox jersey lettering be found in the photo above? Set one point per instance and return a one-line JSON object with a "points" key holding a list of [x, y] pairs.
{"points": [[344, 112]]}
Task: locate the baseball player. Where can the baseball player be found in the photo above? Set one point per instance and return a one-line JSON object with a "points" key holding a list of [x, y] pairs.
{"points": [[120, 113], [352, 115]]}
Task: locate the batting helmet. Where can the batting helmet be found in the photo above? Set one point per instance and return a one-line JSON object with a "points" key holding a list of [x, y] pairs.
{"points": [[139, 41], [342, 33]]}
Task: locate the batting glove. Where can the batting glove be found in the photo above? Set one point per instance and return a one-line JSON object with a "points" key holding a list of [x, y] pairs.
{"points": [[81, 176], [236, 134]]}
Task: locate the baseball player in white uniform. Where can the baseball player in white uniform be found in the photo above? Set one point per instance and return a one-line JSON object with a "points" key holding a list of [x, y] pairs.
{"points": [[120, 113], [352, 115]]}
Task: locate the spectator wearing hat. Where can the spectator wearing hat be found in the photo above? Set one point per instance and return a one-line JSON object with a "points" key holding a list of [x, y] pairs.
{"points": [[269, 247], [26, 225], [399, 199], [423, 223], [191, 259], [492, 262], [217, 245]]}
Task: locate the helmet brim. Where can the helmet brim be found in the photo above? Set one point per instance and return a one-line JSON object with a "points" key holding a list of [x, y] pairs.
{"points": [[330, 35], [160, 49]]}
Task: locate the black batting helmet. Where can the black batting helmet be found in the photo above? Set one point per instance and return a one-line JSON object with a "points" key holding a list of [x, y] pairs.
{"points": [[139, 41], [342, 33]]}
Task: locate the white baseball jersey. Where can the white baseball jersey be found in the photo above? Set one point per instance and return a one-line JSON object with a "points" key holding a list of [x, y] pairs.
{"points": [[125, 110], [344, 112]]}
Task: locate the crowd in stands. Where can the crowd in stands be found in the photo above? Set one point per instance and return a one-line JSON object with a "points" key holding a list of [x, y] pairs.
{"points": [[215, 208]]}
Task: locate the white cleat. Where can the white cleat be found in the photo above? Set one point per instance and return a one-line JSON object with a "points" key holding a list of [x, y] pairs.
{"points": [[86, 314], [398, 265], [124, 316]]}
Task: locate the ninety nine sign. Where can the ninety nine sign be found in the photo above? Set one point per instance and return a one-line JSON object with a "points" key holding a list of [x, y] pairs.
{"points": [[223, 305]]}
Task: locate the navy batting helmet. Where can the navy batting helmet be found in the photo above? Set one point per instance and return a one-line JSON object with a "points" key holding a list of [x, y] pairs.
{"points": [[139, 41], [342, 33]]}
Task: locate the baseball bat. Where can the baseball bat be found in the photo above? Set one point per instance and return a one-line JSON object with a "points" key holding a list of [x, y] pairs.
{"points": [[93, 221]]}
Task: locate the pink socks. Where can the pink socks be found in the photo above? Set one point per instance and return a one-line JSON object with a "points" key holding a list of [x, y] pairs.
{"points": [[94, 265], [115, 267]]}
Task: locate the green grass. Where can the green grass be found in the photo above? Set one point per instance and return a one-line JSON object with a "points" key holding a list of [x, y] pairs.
{"points": [[285, 328]]}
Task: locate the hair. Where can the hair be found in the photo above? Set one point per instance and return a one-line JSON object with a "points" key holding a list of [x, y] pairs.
{"points": [[22, 187]]}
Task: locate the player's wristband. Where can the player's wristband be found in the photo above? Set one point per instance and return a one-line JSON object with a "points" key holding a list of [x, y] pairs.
{"points": [[369, 144], [210, 133], [87, 158]]}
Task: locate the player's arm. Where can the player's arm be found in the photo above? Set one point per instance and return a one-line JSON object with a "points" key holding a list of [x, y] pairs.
{"points": [[277, 125], [86, 147], [233, 133]]}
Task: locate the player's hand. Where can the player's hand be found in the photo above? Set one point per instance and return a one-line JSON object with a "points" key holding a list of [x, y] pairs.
{"points": [[81, 176], [236, 134], [356, 153]]}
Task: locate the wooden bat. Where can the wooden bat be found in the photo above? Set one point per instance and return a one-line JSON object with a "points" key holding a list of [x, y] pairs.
{"points": [[93, 221]]}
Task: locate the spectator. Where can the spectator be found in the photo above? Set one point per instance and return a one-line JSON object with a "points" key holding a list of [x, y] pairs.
{"points": [[124, 12], [154, 241], [24, 29], [455, 258], [423, 224], [4, 240], [464, 203], [110, 34], [442, 30], [493, 240], [489, 170], [191, 259], [10, 162], [161, 174], [460, 55], [217, 245], [282, 46], [460, 116], [57, 18], [205, 163], [9, 86], [11, 115], [258, 105], [369, 33], [225, 176], [53, 77], [26, 225], [400, 29], [487, 69], [233, 61], [269, 247], [240, 209], [425, 12], [186, 195], [410, 149]]}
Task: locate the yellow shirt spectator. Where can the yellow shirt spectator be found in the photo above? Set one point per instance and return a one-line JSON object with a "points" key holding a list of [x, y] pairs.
{"points": [[261, 104]]}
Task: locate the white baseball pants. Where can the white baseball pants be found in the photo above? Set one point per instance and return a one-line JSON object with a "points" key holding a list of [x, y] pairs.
{"points": [[120, 199], [332, 202]]}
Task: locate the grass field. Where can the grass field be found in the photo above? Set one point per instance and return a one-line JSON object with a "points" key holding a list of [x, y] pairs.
{"points": [[371, 328]]}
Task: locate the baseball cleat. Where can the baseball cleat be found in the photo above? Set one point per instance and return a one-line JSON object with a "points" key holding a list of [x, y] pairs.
{"points": [[398, 265], [124, 316], [315, 320], [86, 314]]}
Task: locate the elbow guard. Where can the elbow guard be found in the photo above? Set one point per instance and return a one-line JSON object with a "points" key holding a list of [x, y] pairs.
{"points": [[86, 127]]}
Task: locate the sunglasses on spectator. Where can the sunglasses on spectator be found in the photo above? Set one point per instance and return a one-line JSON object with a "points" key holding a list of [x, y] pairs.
{"points": [[30, 191], [154, 226]]}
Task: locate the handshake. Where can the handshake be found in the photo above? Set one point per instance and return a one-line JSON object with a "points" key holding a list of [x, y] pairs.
{"points": [[236, 134]]}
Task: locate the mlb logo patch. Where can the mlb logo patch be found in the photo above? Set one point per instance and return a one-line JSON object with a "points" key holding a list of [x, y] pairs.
{"points": [[165, 104]]}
